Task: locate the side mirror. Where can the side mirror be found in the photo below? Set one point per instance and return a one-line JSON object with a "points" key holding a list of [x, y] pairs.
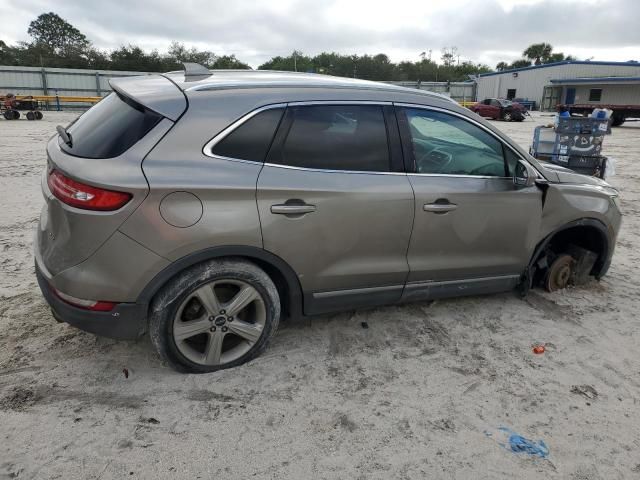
{"points": [[525, 175]]}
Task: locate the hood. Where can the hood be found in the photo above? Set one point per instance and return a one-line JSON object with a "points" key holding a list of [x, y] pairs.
{"points": [[558, 174]]}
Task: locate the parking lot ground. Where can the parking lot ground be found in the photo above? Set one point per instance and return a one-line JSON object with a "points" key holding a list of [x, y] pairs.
{"points": [[421, 393]]}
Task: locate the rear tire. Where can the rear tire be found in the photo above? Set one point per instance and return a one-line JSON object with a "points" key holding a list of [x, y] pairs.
{"points": [[38, 114], [31, 116], [216, 315], [617, 120], [507, 116]]}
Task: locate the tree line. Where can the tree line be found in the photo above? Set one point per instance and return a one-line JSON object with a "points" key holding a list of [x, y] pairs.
{"points": [[56, 43]]}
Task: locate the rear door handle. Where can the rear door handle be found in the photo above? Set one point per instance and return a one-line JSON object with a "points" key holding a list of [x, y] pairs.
{"points": [[288, 209], [439, 207]]}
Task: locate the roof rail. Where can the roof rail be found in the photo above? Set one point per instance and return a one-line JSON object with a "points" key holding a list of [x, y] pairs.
{"points": [[195, 70]]}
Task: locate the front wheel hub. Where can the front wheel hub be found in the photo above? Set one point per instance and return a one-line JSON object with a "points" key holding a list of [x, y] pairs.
{"points": [[560, 273]]}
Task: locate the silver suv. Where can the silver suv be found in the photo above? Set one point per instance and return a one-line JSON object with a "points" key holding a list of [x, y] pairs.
{"points": [[204, 206]]}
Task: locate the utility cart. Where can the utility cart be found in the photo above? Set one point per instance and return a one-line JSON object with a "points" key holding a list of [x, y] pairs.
{"points": [[10, 107], [575, 143]]}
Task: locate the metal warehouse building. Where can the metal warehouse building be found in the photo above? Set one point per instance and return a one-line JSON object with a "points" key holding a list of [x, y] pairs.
{"points": [[565, 82]]}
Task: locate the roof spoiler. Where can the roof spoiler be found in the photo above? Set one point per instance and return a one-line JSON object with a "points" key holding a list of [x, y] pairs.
{"points": [[195, 71]]}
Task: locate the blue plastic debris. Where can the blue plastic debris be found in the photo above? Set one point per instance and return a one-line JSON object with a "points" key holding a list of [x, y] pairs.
{"points": [[519, 444]]}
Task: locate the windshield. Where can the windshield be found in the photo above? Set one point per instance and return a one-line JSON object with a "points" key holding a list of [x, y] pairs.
{"points": [[109, 128]]}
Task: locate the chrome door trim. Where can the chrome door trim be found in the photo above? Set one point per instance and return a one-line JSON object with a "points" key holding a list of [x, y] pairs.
{"points": [[458, 176], [322, 170], [355, 291], [208, 147], [338, 102], [430, 283]]}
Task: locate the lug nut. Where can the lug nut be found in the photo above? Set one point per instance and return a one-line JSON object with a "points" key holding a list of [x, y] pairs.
{"points": [[224, 329], [212, 329], [211, 319], [229, 319], [222, 312]]}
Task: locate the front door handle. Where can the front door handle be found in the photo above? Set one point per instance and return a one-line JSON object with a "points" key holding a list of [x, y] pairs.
{"points": [[439, 207], [292, 209]]}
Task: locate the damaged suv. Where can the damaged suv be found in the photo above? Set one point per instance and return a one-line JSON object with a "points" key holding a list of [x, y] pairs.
{"points": [[202, 206]]}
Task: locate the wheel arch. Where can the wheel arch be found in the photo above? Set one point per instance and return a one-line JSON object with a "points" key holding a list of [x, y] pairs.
{"points": [[594, 235], [278, 270]]}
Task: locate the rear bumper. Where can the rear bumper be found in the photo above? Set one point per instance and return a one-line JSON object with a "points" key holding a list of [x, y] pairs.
{"points": [[125, 321]]}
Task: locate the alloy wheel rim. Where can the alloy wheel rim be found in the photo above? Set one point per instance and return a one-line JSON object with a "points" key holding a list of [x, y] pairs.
{"points": [[219, 322]]}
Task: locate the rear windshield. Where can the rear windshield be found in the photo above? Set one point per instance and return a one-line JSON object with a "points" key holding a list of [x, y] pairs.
{"points": [[109, 128]]}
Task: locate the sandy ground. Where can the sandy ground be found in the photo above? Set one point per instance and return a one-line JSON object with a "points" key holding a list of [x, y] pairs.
{"points": [[421, 393]]}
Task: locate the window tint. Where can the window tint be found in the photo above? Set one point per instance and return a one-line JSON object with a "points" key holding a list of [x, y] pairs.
{"points": [[446, 144], [336, 137], [595, 94], [110, 128], [252, 139]]}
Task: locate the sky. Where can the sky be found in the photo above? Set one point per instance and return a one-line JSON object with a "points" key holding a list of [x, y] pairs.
{"points": [[486, 31]]}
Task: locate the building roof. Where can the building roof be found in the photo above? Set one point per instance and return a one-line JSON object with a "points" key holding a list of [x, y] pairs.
{"points": [[565, 62], [232, 79], [571, 81]]}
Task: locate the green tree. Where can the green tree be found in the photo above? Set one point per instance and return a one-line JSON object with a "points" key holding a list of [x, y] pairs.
{"points": [[521, 63], [134, 58], [55, 35], [296, 62], [502, 66], [229, 62], [538, 53], [180, 53]]}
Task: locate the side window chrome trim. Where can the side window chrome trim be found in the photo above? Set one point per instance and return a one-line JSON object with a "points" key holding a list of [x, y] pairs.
{"points": [[324, 170], [208, 148], [338, 102], [463, 117], [457, 175]]}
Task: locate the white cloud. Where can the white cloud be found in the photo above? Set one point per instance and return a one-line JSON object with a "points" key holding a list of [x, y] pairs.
{"points": [[486, 31]]}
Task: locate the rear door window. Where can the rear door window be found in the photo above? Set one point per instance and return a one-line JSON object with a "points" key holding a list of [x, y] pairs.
{"points": [[252, 139], [110, 128], [334, 137]]}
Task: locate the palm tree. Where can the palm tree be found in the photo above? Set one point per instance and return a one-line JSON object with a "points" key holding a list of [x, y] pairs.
{"points": [[502, 66], [538, 52]]}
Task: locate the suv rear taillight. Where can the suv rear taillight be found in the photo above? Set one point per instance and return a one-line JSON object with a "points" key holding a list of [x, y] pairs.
{"points": [[94, 305], [84, 196]]}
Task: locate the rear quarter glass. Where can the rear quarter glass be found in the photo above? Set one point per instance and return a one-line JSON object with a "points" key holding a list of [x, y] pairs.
{"points": [[109, 128]]}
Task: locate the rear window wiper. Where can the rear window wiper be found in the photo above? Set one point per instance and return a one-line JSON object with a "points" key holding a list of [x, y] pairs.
{"points": [[66, 136]]}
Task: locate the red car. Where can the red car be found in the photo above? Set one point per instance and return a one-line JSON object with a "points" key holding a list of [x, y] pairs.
{"points": [[500, 109]]}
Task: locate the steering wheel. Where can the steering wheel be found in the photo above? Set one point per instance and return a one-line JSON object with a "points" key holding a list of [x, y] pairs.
{"points": [[436, 159]]}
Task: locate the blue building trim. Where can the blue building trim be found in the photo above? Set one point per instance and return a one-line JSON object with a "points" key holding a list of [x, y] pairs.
{"points": [[565, 62], [571, 81]]}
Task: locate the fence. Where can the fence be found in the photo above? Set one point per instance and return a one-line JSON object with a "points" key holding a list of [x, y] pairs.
{"points": [[59, 87], [461, 92]]}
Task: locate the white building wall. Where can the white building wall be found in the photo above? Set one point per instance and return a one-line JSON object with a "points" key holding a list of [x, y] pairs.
{"points": [[530, 83], [628, 94]]}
